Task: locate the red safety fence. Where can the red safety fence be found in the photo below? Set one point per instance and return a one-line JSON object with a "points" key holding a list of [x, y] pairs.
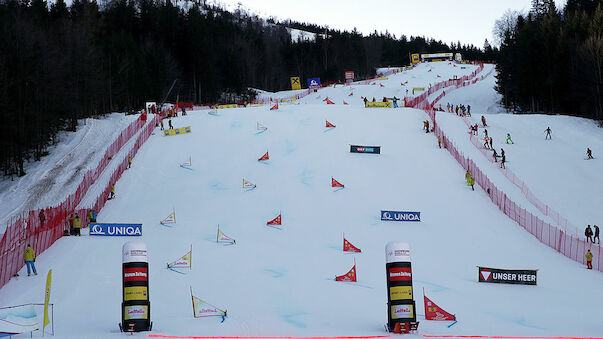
{"points": [[41, 228], [556, 237]]}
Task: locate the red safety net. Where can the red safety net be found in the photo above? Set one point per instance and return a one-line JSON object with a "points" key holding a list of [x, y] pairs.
{"points": [[41, 233]]}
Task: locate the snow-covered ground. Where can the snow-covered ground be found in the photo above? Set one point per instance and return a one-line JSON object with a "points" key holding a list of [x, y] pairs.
{"points": [[280, 282]]}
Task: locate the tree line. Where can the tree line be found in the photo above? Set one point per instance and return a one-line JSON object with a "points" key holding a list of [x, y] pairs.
{"points": [[62, 63], [551, 60]]}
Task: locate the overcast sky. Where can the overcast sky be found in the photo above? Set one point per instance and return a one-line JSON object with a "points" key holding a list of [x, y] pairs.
{"points": [[467, 21]]}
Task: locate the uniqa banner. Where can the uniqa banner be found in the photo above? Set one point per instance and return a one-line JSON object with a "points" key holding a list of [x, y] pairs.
{"points": [[503, 276], [116, 230], [400, 216], [365, 149]]}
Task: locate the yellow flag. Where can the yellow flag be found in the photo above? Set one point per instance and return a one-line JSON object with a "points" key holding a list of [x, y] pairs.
{"points": [[46, 299]]}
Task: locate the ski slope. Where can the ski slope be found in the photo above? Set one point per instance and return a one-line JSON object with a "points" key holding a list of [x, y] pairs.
{"points": [[280, 282]]}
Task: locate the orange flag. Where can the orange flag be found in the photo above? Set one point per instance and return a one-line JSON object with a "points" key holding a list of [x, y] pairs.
{"points": [[264, 157], [350, 276]]}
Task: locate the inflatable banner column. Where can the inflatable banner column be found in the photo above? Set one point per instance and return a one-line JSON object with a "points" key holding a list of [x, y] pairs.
{"points": [[135, 306], [400, 303]]}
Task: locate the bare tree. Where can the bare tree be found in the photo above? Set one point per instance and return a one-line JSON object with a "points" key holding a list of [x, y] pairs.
{"points": [[506, 23]]}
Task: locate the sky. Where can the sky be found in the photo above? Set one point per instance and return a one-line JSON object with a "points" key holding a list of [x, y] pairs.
{"points": [[467, 21]]}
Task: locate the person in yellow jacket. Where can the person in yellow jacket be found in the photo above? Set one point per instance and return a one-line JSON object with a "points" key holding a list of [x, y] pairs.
{"points": [[470, 180], [77, 225], [112, 194], [30, 257], [589, 260]]}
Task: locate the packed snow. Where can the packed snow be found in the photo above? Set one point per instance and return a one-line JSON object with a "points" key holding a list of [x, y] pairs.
{"points": [[281, 282]]}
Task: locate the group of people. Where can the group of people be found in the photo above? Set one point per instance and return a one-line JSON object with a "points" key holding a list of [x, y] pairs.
{"points": [[459, 109]]}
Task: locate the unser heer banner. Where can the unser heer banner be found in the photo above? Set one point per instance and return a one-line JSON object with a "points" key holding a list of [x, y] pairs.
{"points": [[503, 276]]}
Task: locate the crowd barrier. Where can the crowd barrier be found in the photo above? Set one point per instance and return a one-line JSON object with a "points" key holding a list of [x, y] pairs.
{"points": [[41, 232], [571, 246]]}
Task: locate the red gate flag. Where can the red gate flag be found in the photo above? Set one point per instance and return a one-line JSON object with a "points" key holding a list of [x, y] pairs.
{"points": [[329, 124], [335, 183], [275, 221], [348, 247], [329, 102], [350, 276], [351, 94], [345, 103], [435, 312], [275, 107], [325, 99], [264, 157]]}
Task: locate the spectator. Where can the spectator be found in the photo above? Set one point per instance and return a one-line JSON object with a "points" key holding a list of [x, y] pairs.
{"points": [[77, 225], [596, 237], [29, 256], [92, 216], [129, 161], [42, 217], [589, 153], [589, 259], [588, 232]]}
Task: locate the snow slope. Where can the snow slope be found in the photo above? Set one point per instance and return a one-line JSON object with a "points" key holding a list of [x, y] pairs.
{"points": [[49, 181], [280, 282]]}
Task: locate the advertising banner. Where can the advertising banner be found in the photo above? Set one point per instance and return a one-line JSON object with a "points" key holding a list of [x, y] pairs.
{"points": [[402, 312], [418, 89], [400, 274], [400, 293], [349, 75], [314, 83], [227, 106], [400, 216], [136, 312], [116, 230], [378, 104], [365, 149], [383, 78], [135, 274], [136, 293], [415, 58], [135, 306], [295, 83], [503, 276], [400, 302], [176, 131]]}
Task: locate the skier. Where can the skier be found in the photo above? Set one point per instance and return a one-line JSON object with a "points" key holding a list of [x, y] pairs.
{"points": [[485, 132], [484, 121], [427, 126], [486, 142], [491, 143], [589, 153], [77, 225], [129, 161], [475, 129], [502, 161], [469, 110], [596, 237], [112, 194], [395, 101], [439, 141], [589, 260], [183, 111], [548, 133], [170, 123], [29, 256], [588, 232], [494, 155], [448, 107], [509, 139], [365, 101]]}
